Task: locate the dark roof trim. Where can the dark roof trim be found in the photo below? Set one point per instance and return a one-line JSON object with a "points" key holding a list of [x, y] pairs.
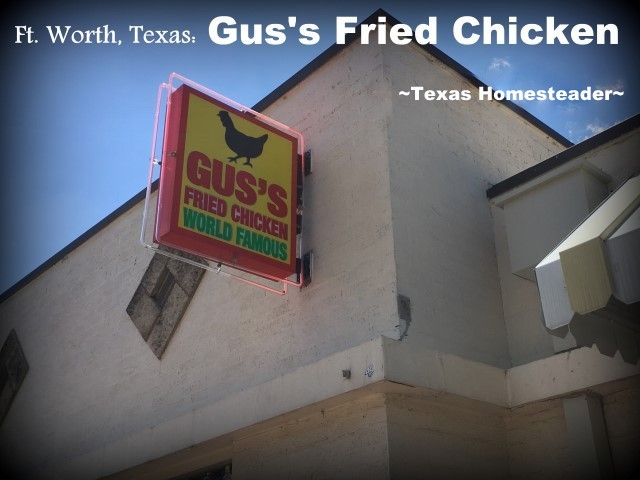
{"points": [[334, 49], [564, 156], [132, 202]]}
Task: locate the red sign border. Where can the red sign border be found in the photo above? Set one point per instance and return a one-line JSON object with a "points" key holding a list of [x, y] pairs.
{"points": [[169, 232]]}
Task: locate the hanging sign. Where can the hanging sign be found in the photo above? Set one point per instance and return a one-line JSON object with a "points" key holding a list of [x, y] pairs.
{"points": [[228, 186]]}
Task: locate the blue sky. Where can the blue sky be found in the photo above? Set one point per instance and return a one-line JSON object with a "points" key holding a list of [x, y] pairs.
{"points": [[77, 119]]}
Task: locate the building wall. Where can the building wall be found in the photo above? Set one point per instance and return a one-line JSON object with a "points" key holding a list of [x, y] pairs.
{"points": [[621, 406], [527, 337], [436, 438], [348, 441], [443, 156], [619, 158], [90, 380], [537, 441], [539, 219]]}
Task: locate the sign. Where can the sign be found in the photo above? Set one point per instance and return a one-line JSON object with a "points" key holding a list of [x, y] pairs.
{"points": [[228, 186]]}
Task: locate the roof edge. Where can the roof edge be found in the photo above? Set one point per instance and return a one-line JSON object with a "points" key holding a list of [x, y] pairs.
{"points": [[563, 157]]}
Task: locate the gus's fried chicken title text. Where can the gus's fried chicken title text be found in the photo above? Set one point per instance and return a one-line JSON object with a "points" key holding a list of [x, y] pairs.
{"points": [[226, 30]]}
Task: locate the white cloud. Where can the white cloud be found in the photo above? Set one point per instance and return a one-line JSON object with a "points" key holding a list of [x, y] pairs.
{"points": [[618, 85], [568, 108], [499, 64], [595, 128]]}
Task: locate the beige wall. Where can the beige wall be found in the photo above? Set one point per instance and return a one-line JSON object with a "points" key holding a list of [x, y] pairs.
{"points": [[619, 158], [527, 337], [348, 441], [443, 156], [537, 441], [538, 220], [439, 439], [90, 380], [621, 405]]}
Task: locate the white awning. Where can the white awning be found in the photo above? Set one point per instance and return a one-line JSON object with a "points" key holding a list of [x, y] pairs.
{"points": [[598, 260]]}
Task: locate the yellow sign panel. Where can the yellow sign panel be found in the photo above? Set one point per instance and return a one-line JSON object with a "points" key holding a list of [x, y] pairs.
{"points": [[228, 189]]}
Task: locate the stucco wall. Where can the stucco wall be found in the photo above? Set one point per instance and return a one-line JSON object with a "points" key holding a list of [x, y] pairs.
{"points": [[621, 409], [527, 336], [433, 438], [443, 156], [618, 158], [537, 441], [348, 442], [90, 379]]}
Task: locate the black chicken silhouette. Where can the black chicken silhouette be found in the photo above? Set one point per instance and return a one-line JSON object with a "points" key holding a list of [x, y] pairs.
{"points": [[242, 145]]}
